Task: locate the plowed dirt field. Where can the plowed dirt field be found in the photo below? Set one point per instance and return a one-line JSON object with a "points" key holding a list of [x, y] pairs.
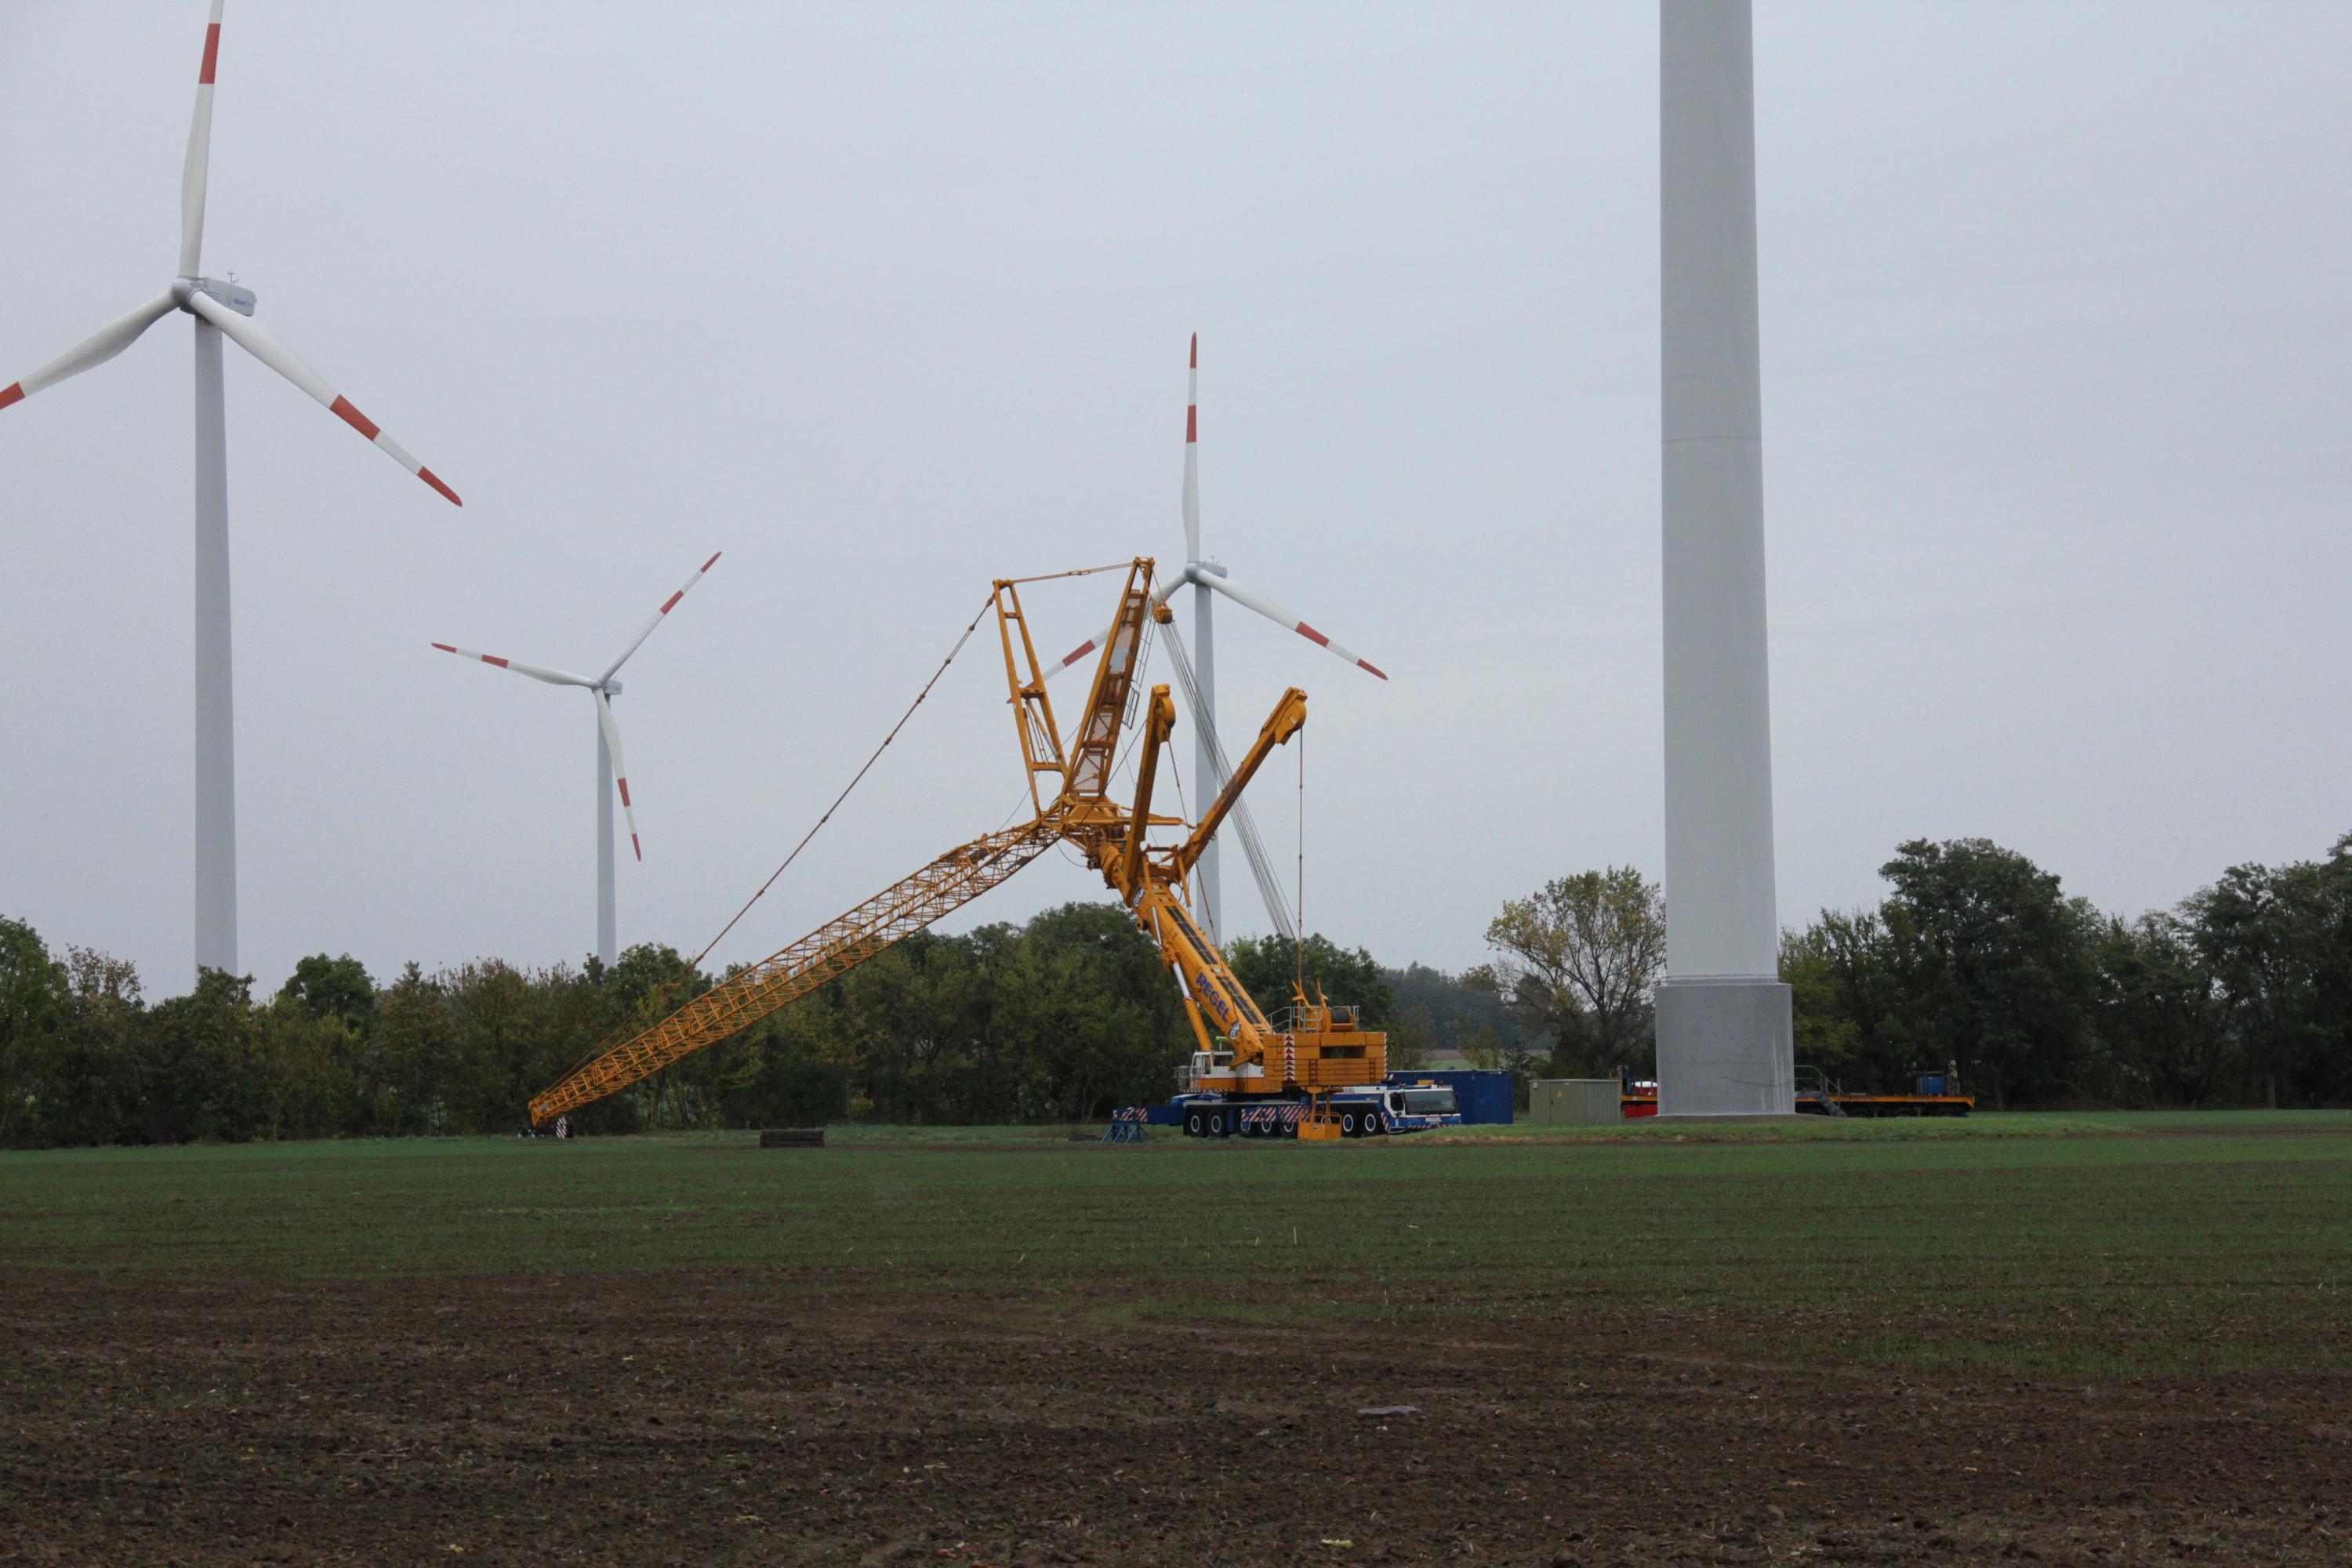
{"points": [[793, 1410]]}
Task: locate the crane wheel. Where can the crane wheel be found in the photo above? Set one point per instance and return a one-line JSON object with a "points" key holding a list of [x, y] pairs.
{"points": [[1348, 1125], [1194, 1125]]}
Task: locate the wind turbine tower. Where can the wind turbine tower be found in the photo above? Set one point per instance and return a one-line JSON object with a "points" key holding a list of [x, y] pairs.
{"points": [[1724, 1041], [219, 310]]}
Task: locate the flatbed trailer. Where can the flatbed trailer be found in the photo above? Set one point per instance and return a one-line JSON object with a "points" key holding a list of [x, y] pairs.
{"points": [[1885, 1104], [1933, 1094]]}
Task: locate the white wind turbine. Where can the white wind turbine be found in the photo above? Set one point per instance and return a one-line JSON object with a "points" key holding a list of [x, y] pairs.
{"points": [[220, 309], [1206, 573], [610, 768]]}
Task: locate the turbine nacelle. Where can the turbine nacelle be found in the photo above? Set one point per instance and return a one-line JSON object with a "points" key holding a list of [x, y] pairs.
{"points": [[236, 296]]}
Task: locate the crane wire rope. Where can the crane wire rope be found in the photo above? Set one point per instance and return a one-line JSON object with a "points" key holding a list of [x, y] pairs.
{"points": [[969, 627]]}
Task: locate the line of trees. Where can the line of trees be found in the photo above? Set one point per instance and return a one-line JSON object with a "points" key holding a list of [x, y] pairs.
{"points": [[1054, 1021], [1978, 960]]}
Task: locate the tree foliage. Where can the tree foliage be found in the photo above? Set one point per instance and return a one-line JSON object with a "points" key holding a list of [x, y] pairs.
{"points": [[1060, 1019], [1577, 961], [2241, 995], [1270, 969]]}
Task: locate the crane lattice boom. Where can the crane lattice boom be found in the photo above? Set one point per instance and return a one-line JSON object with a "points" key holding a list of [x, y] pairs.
{"points": [[826, 953]]}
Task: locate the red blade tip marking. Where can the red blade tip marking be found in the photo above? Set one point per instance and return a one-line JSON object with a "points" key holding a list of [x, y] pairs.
{"points": [[1079, 653], [491, 659], [430, 477], [672, 599], [212, 54], [445, 648], [638, 847], [16, 394], [624, 791], [1365, 664], [1196, 350], [341, 409], [1311, 635], [1191, 424], [712, 562]]}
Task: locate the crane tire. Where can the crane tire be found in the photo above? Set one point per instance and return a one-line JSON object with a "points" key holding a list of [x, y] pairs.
{"points": [[1194, 1125]]}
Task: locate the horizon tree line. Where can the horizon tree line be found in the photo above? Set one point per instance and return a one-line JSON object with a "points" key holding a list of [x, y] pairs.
{"points": [[1977, 958]]}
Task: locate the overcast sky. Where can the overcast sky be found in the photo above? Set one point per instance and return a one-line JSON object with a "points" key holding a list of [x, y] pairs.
{"points": [[886, 301]]}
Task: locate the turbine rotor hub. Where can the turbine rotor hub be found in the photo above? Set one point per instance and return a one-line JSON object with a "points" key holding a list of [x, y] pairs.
{"points": [[236, 296]]}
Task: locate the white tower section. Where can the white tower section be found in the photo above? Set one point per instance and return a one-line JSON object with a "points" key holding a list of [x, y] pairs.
{"points": [[1724, 1038]]}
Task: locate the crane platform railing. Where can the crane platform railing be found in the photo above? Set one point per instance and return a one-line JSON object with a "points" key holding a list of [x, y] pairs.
{"points": [[749, 994]]}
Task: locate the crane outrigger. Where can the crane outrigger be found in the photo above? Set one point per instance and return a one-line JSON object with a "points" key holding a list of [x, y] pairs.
{"points": [[1317, 1074]]}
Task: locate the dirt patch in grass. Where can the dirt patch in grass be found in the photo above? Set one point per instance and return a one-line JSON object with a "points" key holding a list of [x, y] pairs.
{"points": [[718, 1416]]}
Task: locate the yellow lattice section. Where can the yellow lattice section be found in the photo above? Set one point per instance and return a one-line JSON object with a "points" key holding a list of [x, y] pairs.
{"points": [[955, 878]]}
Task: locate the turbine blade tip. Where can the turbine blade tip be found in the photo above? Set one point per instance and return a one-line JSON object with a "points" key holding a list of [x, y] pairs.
{"points": [[430, 477], [1376, 669], [638, 847], [445, 648], [1196, 350], [712, 562]]}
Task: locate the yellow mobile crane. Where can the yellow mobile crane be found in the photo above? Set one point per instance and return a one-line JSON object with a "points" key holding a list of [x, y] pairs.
{"points": [[1316, 1075]]}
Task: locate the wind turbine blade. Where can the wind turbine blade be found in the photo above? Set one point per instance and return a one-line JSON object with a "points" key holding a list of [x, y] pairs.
{"points": [[95, 350], [611, 728], [656, 618], [1282, 618], [1192, 458], [270, 350], [536, 671], [196, 174], [1159, 597]]}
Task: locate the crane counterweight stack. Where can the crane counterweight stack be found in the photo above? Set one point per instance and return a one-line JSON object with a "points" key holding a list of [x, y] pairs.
{"points": [[1318, 1073]]}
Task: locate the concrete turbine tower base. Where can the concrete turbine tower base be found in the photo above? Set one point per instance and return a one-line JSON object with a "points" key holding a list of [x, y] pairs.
{"points": [[1725, 1044]]}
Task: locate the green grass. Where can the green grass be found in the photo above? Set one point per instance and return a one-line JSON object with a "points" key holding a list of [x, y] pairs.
{"points": [[2089, 1246]]}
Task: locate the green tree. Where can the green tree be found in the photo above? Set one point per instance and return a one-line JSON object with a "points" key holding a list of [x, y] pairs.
{"points": [[2005, 982], [1268, 968], [409, 1059], [2278, 944], [1822, 1001], [341, 986], [2161, 1022], [1578, 961], [97, 1099], [309, 1064], [199, 1075], [34, 1034]]}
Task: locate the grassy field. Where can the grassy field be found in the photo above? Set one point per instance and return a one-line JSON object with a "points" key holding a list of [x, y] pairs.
{"points": [[2098, 1246]]}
